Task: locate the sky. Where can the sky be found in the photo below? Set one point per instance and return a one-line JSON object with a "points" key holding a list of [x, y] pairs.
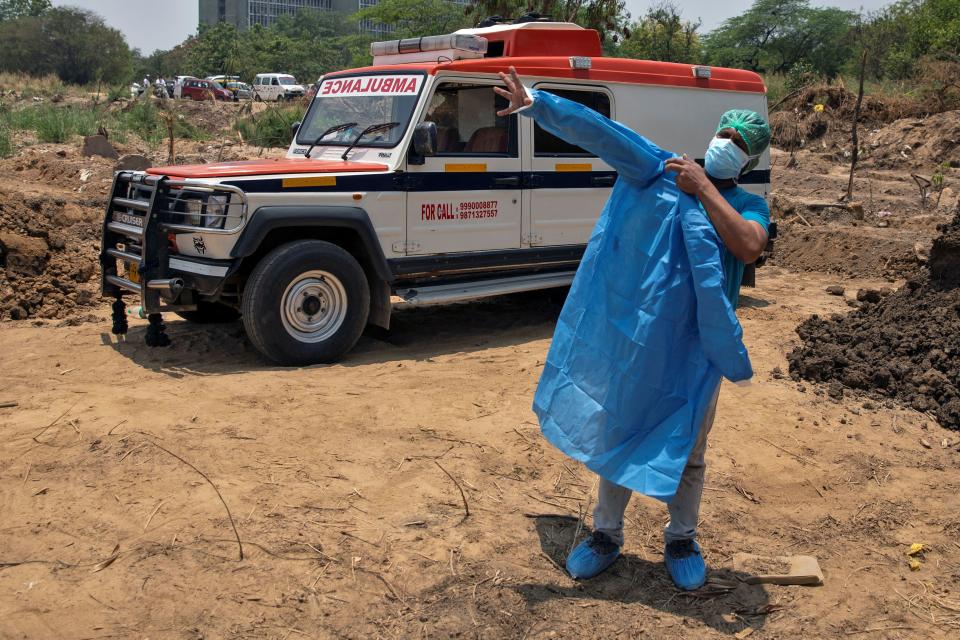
{"points": [[162, 24]]}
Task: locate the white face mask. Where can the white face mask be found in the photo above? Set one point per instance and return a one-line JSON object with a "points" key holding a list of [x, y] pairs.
{"points": [[724, 159]]}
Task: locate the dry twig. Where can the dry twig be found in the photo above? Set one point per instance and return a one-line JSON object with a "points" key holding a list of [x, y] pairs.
{"points": [[55, 421], [210, 482], [791, 453], [466, 507]]}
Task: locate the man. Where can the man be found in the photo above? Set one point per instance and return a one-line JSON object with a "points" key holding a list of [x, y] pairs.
{"points": [[178, 88], [741, 220]]}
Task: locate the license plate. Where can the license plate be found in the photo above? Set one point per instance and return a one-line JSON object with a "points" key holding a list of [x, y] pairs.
{"points": [[133, 272]]}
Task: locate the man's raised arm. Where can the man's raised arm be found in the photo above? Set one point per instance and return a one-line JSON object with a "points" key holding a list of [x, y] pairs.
{"points": [[632, 155]]}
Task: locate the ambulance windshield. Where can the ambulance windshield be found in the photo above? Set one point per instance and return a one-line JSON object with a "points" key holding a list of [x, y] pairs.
{"points": [[363, 100]]}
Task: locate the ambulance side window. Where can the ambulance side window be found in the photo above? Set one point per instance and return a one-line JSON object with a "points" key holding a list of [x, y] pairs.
{"points": [[468, 124], [546, 144]]}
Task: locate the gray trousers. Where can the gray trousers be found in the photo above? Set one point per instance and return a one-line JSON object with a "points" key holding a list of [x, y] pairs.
{"points": [[684, 509]]}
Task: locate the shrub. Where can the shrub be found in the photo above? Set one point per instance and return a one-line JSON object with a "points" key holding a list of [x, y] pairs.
{"points": [[117, 92], [800, 75], [269, 128]]}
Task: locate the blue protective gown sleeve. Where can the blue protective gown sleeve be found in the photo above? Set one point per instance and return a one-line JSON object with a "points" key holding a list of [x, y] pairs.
{"points": [[633, 156], [636, 359]]}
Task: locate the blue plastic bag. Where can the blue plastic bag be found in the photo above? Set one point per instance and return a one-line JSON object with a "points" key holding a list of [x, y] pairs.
{"points": [[646, 332]]}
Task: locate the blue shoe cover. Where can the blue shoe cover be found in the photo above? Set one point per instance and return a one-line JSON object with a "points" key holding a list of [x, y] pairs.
{"points": [[685, 564], [592, 556]]}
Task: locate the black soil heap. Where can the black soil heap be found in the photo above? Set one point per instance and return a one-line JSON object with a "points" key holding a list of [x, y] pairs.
{"points": [[904, 346]]}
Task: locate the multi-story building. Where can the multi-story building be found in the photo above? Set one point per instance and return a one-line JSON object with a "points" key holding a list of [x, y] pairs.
{"points": [[245, 13]]}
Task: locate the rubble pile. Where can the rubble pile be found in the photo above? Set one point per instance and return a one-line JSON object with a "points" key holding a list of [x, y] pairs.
{"points": [[904, 346], [48, 250]]}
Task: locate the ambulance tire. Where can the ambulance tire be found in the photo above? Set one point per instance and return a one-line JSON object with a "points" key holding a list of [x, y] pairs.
{"points": [[210, 313], [306, 302]]}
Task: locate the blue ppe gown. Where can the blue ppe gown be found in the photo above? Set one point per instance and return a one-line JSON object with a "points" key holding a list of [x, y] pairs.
{"points": [[647, 331]]}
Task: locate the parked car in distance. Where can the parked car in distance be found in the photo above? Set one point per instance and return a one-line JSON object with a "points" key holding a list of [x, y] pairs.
{"points": [[241, 90], [276, 87], [223, 80], [195, 89]]}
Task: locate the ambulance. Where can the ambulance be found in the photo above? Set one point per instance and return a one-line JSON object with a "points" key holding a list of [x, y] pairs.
{"points": [[402, 186]]}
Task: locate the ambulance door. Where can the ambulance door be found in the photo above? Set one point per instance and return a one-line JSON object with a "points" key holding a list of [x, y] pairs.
{"points": [[467, 196], [568, 186]]}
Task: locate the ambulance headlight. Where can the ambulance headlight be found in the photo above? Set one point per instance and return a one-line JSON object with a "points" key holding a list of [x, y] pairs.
{"points": [[216, 211], [194, 213]]}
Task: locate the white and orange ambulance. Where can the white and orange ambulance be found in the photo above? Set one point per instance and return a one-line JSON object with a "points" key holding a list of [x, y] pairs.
{"points": [[402, 184]]}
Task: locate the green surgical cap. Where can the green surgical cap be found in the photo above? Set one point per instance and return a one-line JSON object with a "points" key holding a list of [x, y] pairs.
{"points": [[752, 128]]}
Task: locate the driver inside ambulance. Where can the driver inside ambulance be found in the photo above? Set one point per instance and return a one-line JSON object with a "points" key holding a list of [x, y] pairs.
{"points": [[741, 220]]}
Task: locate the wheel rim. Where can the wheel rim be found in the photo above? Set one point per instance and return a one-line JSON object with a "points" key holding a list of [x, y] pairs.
{"points": [[313, 306]]}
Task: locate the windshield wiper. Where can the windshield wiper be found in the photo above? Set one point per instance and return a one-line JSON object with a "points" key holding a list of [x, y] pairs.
{"points": [[333, 129], [383, 126]]}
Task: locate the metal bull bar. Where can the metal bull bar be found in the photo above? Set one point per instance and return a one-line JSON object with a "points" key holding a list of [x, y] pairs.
{"points": [[137, 220]]}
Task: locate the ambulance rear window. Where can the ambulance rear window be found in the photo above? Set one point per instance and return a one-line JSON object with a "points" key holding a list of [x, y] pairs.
{"points": [[548, 145]]}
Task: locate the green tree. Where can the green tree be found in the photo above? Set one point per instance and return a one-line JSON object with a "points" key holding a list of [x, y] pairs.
{"points": [[775, 35], [217, 50], [903, 34], [165, 62], [662, 34], [415, 18], [83, 48], [306, 45], [15, 9], [72, 43]]}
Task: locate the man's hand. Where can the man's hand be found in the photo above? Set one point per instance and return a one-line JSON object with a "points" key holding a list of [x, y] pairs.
{"points": [[514, 93], [691, 178]]}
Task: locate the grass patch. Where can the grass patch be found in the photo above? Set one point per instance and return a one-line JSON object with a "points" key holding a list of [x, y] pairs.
{"points": [[52, 123], [30, 86], [269, 128], [6, 145], [57, 124]]}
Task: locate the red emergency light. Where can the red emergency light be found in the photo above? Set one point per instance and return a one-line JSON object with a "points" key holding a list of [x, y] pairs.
{"points": [[540, 39]]}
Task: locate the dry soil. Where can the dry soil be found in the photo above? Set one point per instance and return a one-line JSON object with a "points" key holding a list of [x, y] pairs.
{"points": [[335, 477]]}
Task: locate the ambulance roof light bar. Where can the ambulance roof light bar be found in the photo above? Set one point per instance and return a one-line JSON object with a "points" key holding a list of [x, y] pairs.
{"points": [[453, 46]]}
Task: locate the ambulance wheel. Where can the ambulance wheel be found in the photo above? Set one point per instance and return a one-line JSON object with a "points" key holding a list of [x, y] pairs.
{"points": [[306, 302], [210, 313]]}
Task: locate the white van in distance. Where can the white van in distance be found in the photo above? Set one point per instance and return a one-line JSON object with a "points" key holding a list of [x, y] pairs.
{"points": [[403, 185], [273, 87]]}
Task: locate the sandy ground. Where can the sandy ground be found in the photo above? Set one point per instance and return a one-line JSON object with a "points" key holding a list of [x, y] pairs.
{"points": [[335, 479]]}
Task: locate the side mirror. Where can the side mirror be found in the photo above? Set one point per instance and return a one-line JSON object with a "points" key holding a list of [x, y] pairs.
{"points": [[294, 128], [424, 142]]}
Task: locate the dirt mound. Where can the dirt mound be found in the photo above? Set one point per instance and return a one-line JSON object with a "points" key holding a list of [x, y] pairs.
{"points": [[856, 252], [905, 346], [945, 256], [208, 116], [931, 141], [64, 168], [823, 114], [48, 249]]}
